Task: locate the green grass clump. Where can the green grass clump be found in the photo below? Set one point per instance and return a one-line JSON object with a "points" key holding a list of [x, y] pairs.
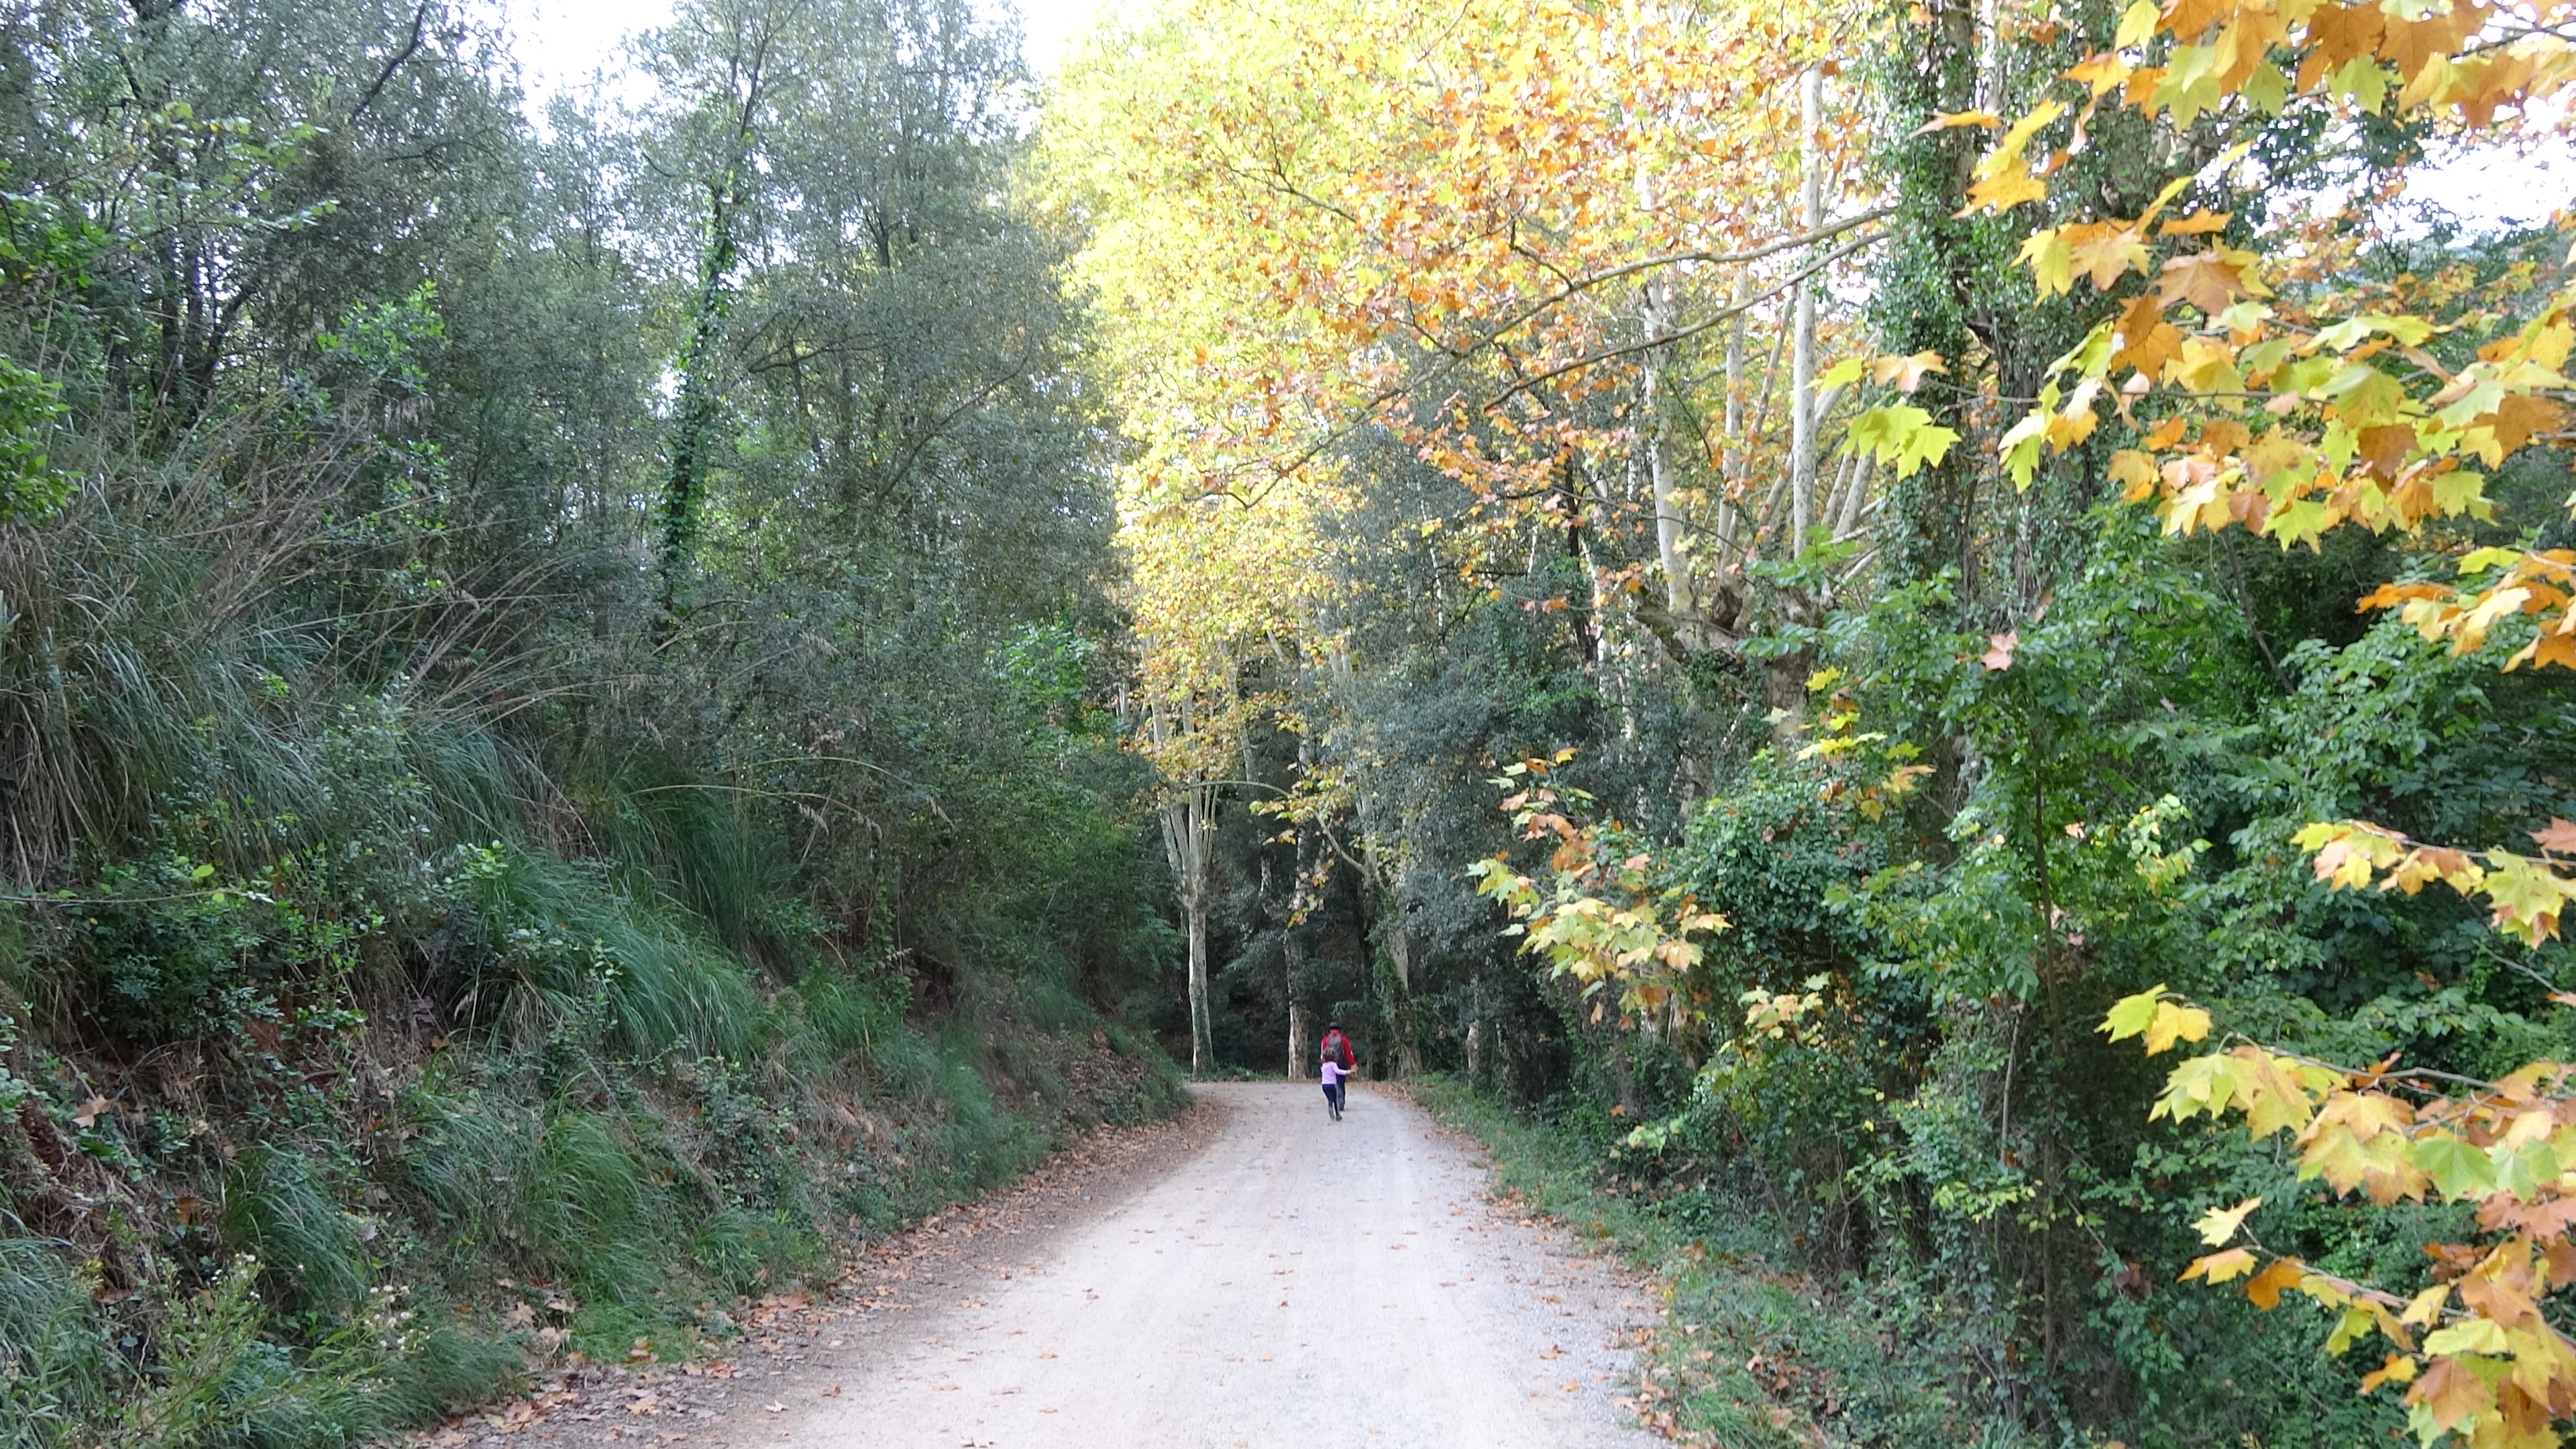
{"points": [[278, 1213]]}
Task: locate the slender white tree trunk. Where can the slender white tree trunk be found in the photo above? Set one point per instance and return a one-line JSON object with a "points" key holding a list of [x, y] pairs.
{"points": [[1802, 344], [1201, 1047], [1730, 468], [1189, 843], [1671, 540]]}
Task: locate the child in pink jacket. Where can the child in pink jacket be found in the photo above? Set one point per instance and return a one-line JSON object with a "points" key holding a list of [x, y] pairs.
{"points": [[1337, 1064]]}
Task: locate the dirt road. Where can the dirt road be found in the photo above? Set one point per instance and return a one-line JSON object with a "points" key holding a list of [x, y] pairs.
{"points": [[1254, 1275], [1290, 1283]]}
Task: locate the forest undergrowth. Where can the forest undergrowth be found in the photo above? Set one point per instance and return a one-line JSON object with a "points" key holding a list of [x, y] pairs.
{"points": [[524, 818], [1754, 1349]]}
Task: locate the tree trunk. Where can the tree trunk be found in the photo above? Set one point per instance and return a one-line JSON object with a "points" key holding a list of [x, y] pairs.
{"points": [[1296, 1042], [1802, 342], [1194, 907], [1930, 70], [1399, 950], [700, 404], [694, 419], [1189, 843], [1670, 539]]}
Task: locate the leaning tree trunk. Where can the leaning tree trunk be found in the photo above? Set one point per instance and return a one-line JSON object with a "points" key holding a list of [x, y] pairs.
{"points": [[1399, 949]]}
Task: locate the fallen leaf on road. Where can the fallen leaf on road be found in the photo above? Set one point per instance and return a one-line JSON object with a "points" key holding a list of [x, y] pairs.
{"points": [[833, 1392], [775, 1408]]}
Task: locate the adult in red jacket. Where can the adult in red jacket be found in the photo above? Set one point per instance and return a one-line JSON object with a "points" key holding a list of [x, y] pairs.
{"points": [[1336, 1048]]}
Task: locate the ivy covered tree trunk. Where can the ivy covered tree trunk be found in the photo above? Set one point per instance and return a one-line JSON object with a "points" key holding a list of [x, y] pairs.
{"points": [[698, 412], [695, 419], [1933, 258]]}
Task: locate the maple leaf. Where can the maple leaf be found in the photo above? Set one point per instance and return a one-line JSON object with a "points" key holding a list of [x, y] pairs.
{"points": [[2451, 1393], [2272, 1091], [1987, 120], [1906, 373], [1999, 653], [2558, 837], [2105, 252], [2130, 1014], [2526, 895], [2397, 1369], [2099, 74], [2008, 149], [2207, 280], [2175, 1022], [2457, 1169], [2050, 258], [2010, 186], [2220, 1267], [2338, 33], [2518, 417], [2417, 44], [2384, 449], [1905, 437], [2217, 1225], [2264, 1288], [2147, 340], [2199, 222], [2135, 472], [2476, 1335], [87, 1114]]}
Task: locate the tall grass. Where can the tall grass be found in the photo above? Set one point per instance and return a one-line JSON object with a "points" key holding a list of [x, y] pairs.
{"points": [[188, 624], [323, 910], [278, 1212], [560, 949], [53, 1363]]}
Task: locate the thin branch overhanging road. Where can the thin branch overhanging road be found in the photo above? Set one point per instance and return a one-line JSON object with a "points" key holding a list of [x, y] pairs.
{"points": [[1289, 1282]]}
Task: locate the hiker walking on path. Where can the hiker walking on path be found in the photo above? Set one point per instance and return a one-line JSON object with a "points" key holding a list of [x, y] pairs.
{"points": [[1337, 1063]]}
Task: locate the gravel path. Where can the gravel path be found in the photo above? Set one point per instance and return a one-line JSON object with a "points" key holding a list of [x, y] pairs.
{"points": [[1256, 1277], [1292, 1282]]}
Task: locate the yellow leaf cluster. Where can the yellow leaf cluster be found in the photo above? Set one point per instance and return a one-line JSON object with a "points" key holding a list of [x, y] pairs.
{"points": [[2490, 1366]]}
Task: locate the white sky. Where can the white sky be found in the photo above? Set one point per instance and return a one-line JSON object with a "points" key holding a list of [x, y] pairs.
{"points": [[560, 43]]}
